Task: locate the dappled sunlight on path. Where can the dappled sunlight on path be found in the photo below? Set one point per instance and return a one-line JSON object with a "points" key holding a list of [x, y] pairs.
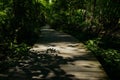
{"points": [[56, 56], [81, 63]]}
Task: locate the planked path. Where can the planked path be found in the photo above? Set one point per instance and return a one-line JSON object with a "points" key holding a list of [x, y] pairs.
{"points": [[81, 65], [73, 60]]}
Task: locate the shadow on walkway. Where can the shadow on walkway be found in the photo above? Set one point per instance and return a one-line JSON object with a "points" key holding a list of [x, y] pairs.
{"points": [[43, 66], [56, 56]]}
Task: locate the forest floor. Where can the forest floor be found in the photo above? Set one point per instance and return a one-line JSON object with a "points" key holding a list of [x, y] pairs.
{"points": [[56, 56]]}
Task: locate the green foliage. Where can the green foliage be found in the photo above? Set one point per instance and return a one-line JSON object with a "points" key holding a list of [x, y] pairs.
{"points": [[13, 50], [11, 53], [66, 15], [91, 19], [27, 14], [106, 54], [18, 50], [109, 58], [20, 22]]}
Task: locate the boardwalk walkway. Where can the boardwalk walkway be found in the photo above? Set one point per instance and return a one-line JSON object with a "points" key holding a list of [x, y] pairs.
{"points": [[81, 64], [72, 62]]}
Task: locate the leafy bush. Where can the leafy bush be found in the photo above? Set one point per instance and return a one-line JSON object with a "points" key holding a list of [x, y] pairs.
{"points": [[11, 53], [109, 58], [18, 50]]}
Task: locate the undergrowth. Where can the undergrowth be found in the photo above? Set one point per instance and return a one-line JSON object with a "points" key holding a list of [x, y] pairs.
{"points": [[109, 58], [11, 53]]}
